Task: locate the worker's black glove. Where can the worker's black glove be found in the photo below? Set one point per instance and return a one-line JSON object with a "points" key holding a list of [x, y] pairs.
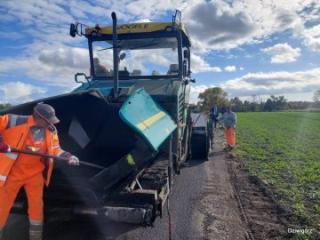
{"points": [[3, 146]]}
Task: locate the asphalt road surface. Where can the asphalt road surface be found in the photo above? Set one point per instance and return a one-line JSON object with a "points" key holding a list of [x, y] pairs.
{"points": [[201, 207], [183, 201]]}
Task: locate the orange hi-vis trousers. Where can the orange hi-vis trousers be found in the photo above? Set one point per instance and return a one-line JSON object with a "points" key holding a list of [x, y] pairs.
{"points": [[34, 191], [230, 134]]}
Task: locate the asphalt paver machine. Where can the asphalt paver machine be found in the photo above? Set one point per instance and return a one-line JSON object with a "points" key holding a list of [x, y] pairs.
{"points": [[129, 118]]}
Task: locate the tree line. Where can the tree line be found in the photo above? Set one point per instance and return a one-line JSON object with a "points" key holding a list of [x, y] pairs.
{"points": [[219, 97], [4, 105]]}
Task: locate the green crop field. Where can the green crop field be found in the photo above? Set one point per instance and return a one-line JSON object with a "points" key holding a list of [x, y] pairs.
{"points": [[283, 149]]}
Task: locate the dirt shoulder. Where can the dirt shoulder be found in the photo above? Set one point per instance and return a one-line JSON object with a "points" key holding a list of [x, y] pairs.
{"points": [[221, 217], [235, 205]]}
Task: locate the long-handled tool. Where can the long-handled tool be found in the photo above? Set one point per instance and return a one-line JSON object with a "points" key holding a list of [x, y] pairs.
{"points": [[54, 157]]}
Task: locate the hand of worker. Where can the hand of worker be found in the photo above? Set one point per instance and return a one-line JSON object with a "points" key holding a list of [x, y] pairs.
{"points": [[73, 161], [4, 147]]}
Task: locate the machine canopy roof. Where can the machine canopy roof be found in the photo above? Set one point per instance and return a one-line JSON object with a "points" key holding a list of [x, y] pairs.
{"points": [[155, 34]]}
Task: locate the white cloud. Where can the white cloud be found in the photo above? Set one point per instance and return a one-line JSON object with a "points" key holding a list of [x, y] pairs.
{"points": [[282, 53], [216, 25], [213, 24], [230, 68], [81, 9], [221, 25], [58, 11], [55, 66], [13, 92], [65, 57], [200, 65], [274, 83], [152, 8], [52, 56], [312, 38], [297, 86], [36, 12]]}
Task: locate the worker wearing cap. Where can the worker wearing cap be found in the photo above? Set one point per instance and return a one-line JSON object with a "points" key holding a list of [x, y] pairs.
{"points": [[35, 133]]}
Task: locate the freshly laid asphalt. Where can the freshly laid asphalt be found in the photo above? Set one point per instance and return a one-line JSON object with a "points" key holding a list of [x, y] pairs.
{"points": [[184, 199]]}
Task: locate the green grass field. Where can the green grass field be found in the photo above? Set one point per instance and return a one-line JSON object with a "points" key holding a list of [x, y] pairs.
{"points": [[283, 149]]}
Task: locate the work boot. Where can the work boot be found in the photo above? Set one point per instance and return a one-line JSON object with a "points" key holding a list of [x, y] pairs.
{"points": [[1, 233], [35, 231], [228, 148]]}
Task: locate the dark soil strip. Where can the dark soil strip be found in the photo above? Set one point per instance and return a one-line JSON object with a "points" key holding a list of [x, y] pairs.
{"points": [[265, 218]]}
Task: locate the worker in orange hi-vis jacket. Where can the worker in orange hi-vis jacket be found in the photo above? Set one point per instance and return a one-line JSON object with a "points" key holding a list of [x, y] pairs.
{"points": [[229, 122], [38, 134]]}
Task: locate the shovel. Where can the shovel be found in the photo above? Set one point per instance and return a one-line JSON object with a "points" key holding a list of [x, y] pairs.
{"points": [[54, 157]]}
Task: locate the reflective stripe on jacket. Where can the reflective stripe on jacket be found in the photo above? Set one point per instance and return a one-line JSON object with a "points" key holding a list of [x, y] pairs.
{"points": [[14, 130]]}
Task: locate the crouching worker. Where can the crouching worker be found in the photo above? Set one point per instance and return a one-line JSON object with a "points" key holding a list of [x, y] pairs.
{"points": [[34, 133], [229, 123]]}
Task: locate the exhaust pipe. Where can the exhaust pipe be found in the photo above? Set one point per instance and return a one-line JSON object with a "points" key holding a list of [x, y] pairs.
{"points": [[115, 55]]}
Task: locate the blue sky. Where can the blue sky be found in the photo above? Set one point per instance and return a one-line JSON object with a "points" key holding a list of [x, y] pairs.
{"points": [[247, 47]]}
